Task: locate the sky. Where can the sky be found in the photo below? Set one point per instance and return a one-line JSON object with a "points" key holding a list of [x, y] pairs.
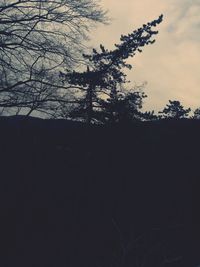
{"points": [[171, 66]]}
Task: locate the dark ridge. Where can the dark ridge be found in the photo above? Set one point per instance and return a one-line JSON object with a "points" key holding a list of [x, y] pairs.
{"points": [[74, 195]]}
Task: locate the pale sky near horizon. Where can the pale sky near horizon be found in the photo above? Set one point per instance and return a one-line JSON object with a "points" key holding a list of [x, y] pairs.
{"points": [[171, 66]]}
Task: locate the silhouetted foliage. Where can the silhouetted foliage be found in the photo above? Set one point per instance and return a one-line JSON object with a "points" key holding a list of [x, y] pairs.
{"points": [[121, 106], [196, 114], [149, 116], [105, 72], [175, 110]]}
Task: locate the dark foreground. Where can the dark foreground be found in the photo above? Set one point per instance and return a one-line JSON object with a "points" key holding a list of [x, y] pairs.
{"points": [[119, 196]]}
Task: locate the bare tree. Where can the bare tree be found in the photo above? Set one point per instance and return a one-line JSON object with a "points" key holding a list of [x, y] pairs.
{"points": [[38, 38]]}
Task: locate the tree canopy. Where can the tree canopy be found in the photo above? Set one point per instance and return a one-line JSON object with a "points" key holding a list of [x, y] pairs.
{"points": [[105, 72], [175, 110]]}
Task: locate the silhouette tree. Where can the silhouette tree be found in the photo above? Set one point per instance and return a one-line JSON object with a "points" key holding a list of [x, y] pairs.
{"points": [[124, 107], [149, 116], [196, 114], [38, 38], [105, 74], [175, 110]]}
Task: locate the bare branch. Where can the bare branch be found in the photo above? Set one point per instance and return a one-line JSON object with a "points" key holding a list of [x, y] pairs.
{"points": [[38, 39]]}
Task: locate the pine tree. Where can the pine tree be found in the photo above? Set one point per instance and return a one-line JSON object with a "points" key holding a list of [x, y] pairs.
{"points": [[174, 110], [196, 114], [105, 73]]}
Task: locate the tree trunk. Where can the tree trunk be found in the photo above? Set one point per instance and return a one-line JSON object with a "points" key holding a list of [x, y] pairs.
{"points": [[89, 104]]}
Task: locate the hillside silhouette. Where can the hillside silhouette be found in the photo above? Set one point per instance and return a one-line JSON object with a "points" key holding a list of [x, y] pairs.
{"points": [[112, 195]]}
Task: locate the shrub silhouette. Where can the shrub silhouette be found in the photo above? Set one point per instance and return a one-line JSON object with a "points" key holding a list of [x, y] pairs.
{"points": [[175, 110]]}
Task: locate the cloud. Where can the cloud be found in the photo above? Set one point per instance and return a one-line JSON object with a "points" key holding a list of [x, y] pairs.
{"points": [[171, 65]]}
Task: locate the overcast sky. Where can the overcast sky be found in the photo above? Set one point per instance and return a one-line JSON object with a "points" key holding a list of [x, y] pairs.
{"points": [[171, 66]]}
